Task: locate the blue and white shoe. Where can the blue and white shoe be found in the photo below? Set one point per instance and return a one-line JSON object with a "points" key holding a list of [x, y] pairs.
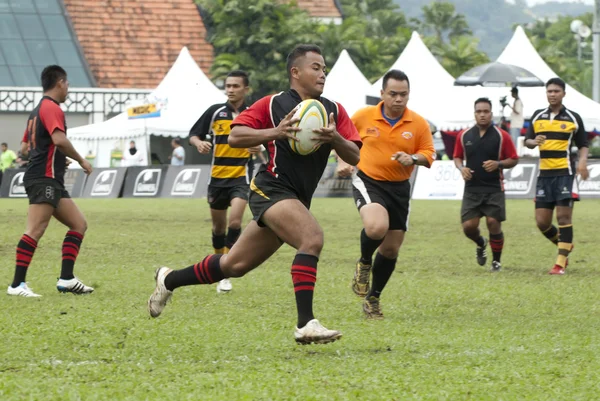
{"points": [[22, 291], [74, 286]]}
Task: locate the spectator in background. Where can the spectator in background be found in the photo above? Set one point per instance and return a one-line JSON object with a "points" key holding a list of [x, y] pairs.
{"points": [[133, 157], [178, 155], [7, 157], [516, 116]]}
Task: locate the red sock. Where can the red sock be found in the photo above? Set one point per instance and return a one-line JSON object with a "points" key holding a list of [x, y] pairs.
{"points": [[70, 251], [25, 250]]}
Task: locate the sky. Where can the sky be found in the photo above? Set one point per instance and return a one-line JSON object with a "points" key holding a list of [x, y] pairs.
{"points": [[534, 2]]}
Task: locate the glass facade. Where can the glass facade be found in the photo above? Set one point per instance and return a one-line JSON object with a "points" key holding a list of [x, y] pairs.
{"points": [[34, 34]]}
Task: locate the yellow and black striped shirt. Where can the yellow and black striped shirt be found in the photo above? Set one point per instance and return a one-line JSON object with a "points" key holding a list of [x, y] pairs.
{"points": [[561, 130], [229, 165]]}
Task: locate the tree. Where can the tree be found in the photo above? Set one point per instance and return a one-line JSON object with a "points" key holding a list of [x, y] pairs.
{"points": [[460, 55], [557, 45], [441, 19], [256, 36]]}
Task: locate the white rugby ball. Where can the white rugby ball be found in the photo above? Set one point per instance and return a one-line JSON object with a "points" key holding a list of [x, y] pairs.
{"points": [[312, 115]]}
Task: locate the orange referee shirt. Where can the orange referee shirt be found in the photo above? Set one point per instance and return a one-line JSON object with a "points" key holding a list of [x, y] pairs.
{"points": [[380, 141]]}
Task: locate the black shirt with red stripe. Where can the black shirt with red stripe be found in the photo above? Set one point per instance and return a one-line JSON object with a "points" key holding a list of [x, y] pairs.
{"points": [[297, 173], [496, 144], [45, 160]]}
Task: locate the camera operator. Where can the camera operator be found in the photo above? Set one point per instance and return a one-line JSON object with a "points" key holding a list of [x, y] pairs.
{"points": [[516, 116]]}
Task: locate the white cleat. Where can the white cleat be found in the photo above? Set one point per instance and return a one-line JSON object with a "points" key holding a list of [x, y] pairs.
{"points": [[224, 286], [22, 291], [161, 295], [74, 286], [315, 333]]}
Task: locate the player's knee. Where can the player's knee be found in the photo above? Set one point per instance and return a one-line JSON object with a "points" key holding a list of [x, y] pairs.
{"points": [[312, 243], [80, 227], [493, 225], [469, 228], [563, 220], [389, 251], [218, 228], [37, 231], [376, 229], [234, 268], [235, 224]]}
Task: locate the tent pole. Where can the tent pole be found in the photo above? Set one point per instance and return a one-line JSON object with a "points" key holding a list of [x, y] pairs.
{"points": [[596, 34]]}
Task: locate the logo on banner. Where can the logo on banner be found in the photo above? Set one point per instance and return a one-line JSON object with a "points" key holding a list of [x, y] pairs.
{"points": [[186, 182], [147, 182], [592, 185], [17, 188], [519, 180], [104, 183]]}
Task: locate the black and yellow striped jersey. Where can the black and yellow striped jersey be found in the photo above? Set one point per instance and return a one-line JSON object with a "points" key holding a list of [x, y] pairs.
{"points": [[229, 165], [561, 130]]}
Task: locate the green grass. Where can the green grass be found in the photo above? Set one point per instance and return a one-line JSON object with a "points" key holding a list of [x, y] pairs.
{"points": [[452, 330]]}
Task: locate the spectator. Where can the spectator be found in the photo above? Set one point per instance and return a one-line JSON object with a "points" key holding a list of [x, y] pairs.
{"points": [[516, 116], [133, 157], [178, 155], [7, 157]]}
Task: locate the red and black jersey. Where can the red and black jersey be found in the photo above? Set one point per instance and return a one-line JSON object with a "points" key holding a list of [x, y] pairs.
{"points": [[45, 160], [301, 174], [474, 149]]}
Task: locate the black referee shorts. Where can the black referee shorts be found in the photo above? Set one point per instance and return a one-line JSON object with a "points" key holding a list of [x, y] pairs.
{"points": [[393, 196]]}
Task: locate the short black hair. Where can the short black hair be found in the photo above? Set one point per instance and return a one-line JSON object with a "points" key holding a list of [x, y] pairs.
{"points": [[239, 74], [177, 140], [4, 144], [396, 75], [51, 75], [514, 90], [556, 81], [300, 51], [483, 100]]}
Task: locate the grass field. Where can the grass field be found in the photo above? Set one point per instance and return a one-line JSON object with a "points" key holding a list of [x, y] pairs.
{"points": [[452, 330]]}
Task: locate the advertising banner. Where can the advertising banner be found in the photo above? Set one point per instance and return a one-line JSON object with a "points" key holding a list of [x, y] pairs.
{"points": [[144, 182], [186, 182], [105, 183]]}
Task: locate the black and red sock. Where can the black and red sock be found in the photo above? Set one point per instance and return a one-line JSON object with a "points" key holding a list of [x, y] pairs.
{"points": [[304, 277], [70, 251], [497, 243], [25, 250], [206, 272]]}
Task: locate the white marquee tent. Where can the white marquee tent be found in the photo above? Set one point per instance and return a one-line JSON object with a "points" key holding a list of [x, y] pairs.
{"points": [[346, 84], [188, 93]]}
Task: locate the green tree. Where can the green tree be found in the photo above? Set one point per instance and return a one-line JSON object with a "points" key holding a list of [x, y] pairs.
{"points": [[557, 45], [256, 36], [460, 55], [441, 19]]}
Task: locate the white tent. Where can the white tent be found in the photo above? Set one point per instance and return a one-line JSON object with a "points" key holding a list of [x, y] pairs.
{"points": [[520, 52], [187, 93], [346, 84], [432, 91]]}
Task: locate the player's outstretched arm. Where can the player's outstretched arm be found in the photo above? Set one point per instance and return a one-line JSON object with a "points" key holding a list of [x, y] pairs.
{"points": [[59, 138]]}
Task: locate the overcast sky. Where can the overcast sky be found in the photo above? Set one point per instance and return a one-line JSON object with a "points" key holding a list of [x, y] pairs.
{"points": [[533, 2]]}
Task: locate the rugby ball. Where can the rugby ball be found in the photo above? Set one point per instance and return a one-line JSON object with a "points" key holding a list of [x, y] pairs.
{"points": [[311, 115]]}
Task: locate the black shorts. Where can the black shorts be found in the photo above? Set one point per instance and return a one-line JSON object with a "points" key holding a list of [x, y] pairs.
{"points": [[478, 205], [219, 198], [393, 196], [555, 191], [45, 190], [265, 192]]}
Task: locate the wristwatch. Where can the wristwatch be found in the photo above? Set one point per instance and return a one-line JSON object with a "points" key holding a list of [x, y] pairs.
{"points": [[415, 159]]}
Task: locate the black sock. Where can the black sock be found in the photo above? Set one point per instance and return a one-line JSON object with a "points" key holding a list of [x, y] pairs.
{"points": [[206, 272], [304, 276], [218, 241], [382, 271], [368, 247], [232, 235], [475, 236], [25, 250], [497, 243], [552, 234]]}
